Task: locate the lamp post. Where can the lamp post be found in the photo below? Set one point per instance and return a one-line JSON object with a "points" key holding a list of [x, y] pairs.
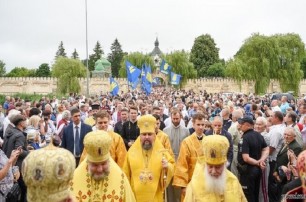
{"points": [[87, 68]]}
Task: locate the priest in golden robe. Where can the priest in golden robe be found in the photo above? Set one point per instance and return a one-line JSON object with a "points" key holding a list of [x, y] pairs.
{"points": [[47, 173], [117, 150], [163, 137], [211, 181], [99, 178], [190, 150], [148, 166], [90, 120]]}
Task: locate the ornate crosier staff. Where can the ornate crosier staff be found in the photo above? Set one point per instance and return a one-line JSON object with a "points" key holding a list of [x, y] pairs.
{"points": [[164, 174], [165, 180]]}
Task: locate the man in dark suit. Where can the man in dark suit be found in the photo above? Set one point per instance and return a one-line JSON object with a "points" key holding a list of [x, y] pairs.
{"points": [[290, 145], [124, 118], [74, 134], [157, 111], [130, 130]]}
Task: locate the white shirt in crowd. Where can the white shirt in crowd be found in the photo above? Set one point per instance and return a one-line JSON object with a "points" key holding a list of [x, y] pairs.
{"points": [[276, 139], [168, 122]]}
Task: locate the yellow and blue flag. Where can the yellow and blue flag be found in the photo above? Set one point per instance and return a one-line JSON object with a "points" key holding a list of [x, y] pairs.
{"points": [[175, 78], [146, 78], [114, 87], [148, 74], [165, 67], [143, 74], [132, 74]]}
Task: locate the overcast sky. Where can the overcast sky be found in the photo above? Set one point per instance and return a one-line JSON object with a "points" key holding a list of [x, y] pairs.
{"points": [[31, 30]]}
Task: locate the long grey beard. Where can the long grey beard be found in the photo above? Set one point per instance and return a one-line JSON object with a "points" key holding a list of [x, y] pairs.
{"points": [[215, 185]]}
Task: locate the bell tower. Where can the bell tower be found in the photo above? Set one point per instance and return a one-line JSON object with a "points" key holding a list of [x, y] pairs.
{"points": [[156, 53]]}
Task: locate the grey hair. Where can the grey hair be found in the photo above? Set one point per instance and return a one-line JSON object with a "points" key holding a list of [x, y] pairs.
{"points": [[12, 113], [262, 119], [237, 114], [291, 129], [66, 114]]}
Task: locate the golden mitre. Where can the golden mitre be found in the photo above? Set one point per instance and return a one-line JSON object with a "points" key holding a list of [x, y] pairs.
{"points": [[215, 149], [97, 145], [147, 124]]}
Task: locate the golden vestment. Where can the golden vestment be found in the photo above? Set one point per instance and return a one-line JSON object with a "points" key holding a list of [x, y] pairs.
{"points": [[90, 121], [196, 191], [164, 139], [117, 150], [145, 173], [115, 187], [191, 149]]}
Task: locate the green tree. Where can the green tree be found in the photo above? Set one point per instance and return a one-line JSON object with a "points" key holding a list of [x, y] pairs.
{"points": [[235, 69], [204, 53], [21, 72], [216, 70], [2, 68], [291, 53], [262, 58], [115, 57], [75, 55], [137, 59], [67, 71], [303, 67], [259, 53], [179, 60], [43, 70], [98, 52], [61, 51]]}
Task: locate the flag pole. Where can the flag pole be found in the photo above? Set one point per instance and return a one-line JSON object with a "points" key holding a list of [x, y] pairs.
{"points": [[87, 68], [127, 79]]}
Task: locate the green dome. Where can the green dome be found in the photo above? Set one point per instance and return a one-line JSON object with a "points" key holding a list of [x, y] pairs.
{"points": [[105, 62], [98, 65], [102, 64]]}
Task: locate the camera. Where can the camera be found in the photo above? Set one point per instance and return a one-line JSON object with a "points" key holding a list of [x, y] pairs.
{"points": [[46, 118]]}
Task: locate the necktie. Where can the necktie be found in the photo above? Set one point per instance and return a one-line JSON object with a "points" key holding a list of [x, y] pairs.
{"points": [[76, 141], [118, 116]]}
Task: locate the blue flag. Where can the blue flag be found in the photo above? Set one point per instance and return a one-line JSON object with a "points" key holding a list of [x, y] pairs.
{"points": [[132, 72], [143, 75], [175, 78], [147, 82], [148, 74], [114, 87], [134, 84], [165, 67]]}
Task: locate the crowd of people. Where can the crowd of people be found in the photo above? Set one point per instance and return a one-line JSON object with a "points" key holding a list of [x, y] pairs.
{"points": [[170, 145]]}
